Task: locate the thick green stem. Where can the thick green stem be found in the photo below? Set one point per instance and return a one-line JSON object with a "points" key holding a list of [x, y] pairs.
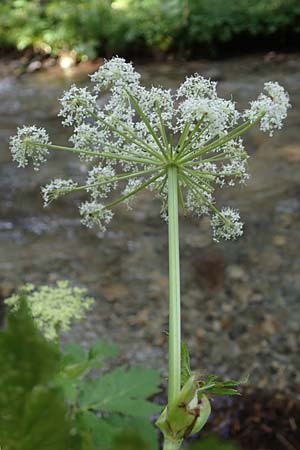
{"points": [[172, 445], [174, 277]]}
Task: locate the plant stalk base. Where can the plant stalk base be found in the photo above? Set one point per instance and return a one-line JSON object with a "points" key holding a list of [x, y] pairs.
{"points": [[172, 445]]}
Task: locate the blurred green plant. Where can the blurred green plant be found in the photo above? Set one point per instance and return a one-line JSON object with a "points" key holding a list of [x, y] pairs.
{"points": [[47, 397], [213, 443], [93, 27], [32, 409]]}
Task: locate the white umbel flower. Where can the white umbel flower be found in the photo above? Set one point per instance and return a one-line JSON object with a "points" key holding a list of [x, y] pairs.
{"points": [[274, 106], [88, 137], [100, 181], [226, 225], [53, 309], [138, 134], [196, 87], [56, 188], [30, 143], [77, 104], [218, 114], [95, 214], [115, 74]]}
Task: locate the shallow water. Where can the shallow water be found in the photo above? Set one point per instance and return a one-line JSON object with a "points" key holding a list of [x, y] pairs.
{"points": [[241, 304]]}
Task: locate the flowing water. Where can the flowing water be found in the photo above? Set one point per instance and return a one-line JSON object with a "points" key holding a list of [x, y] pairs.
{"points": [[240, 299]]}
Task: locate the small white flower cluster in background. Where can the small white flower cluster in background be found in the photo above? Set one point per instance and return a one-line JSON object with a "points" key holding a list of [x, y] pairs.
{"points": [[53, 309], [134, 138]]}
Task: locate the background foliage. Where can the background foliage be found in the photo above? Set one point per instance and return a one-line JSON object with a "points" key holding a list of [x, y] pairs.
{"points": [[104, 27], [48, 399]]}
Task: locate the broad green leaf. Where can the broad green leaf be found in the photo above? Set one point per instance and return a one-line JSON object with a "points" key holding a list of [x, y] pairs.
{"points": [[45, 424], [110, 432], [122, 391], [77, 362], [94, 431], [31, 412], [101, 350], [73, 353]]}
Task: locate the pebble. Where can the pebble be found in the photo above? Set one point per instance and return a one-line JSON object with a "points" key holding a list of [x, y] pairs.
{"points": [[236, 272], [6, 289], [34, 66]]}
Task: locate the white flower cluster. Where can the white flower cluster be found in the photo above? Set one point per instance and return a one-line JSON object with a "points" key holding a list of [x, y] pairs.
{"points": [[226, 225], [200, 102], [116, 75], [273, 106], [88, 137], [77, 104], [100, 181], [143, 132], [56, 188], [95, 214], [53, 308], [29, 144]]}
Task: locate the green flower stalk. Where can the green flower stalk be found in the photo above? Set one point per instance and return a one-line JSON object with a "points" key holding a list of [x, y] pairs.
{"points": [[174, 277], [180, 145]]}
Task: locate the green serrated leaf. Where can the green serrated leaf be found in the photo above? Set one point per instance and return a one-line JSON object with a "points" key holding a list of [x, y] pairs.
{"points": [[101, 350], [27, 360], [94, 431], [45, 422], [122, 391], [68, 387], [107, 433], [76, 363], [73, 353], [215, 387]]}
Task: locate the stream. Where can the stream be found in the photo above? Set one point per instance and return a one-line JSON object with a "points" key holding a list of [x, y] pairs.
{"points": [[241, 305]]}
